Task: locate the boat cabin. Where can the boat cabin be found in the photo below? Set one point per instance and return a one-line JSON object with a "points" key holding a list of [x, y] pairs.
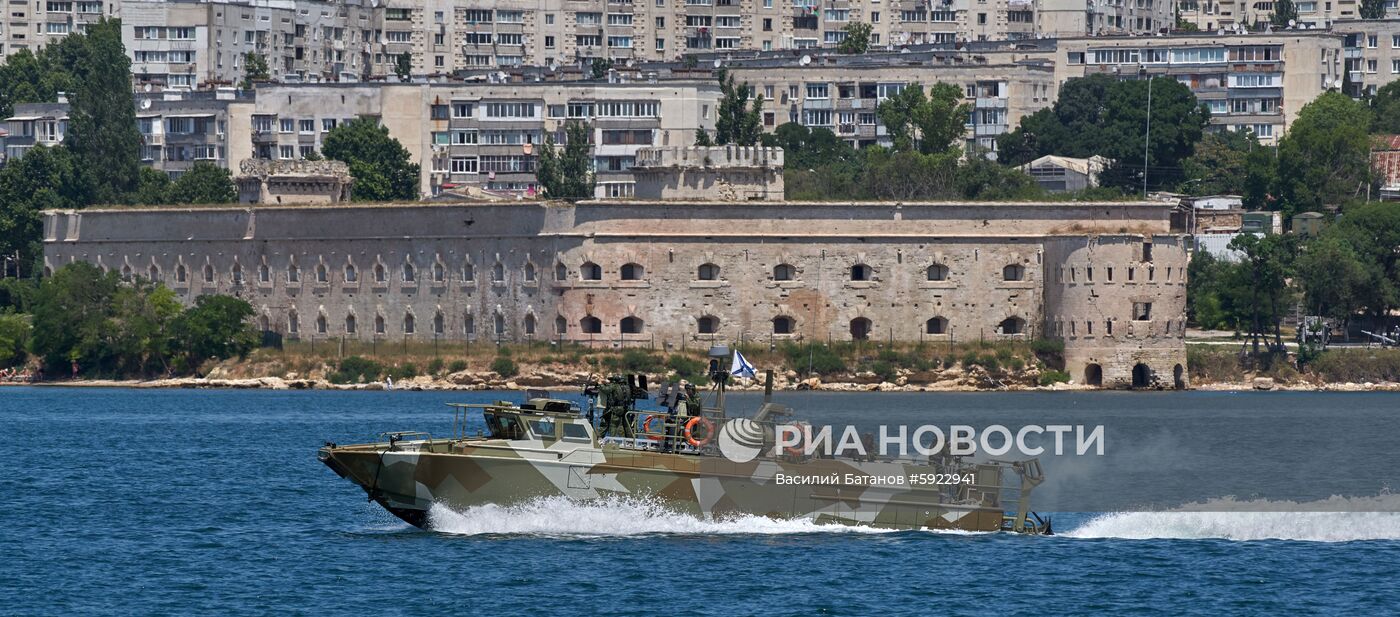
{"points": [[538, 419]]}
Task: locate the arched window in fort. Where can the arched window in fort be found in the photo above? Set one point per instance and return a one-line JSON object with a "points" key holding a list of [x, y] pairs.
{"points": [[293, 323], [561, 272], [264, 323], [439, 272], [1013, 272], [293, 273], [208, 273], [469, 325], [561, 325], [153, 273], [937, 272], [784, 272], [500, 325], [861, 272], [590, 325], [860, 329], [1011, 325], [264, 274], [321, 325], [126, 273], [631, 325], [783, 324], [48, 271], [529, 272], [498, 272], [439, 323], [180, 273], [708, 324], [936, 325], [632, 272], [351, 274], [707, 272], [409, 323], [350, 323], [237, 274], [379, 326], [590, 271], [468, 273], [410, 273], [530, 325]]}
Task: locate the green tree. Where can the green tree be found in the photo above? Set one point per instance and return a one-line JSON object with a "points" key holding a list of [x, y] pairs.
{"points": [[1325, 157], [14, 338], [102, 117], [1372, 231], [738, 122], [1219, 164], [1103, 115], [1205, 281], [982, 178], [216, 327], [1285, 13], [929, 123], [702, 138], [43, 179], [1372, 9], [599, 67], [857, 39], [910, 175], [403, 66], [378, 163], [204, 183], [71, 314], [567, 175], [1385, 109], [1332, 278], [1262, 276], [254, 70], [152, 188]]}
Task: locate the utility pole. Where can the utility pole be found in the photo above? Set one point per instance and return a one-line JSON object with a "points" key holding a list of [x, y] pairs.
{"points": [[1147, 137]]}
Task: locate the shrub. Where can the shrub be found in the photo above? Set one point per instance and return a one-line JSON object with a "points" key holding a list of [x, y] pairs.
{"points": [[637, 361], [435, 366], [457, 366], [885, 370], [504, 366], [823, 360], [354, 369], [687, 368], [1048, 346], [1053, 376], [407, 370], [1209, 363], [14, 336], [1357, 365]]}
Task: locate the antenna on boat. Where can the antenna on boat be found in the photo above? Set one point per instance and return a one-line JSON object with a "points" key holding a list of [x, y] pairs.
{"points": [[719, 374]]}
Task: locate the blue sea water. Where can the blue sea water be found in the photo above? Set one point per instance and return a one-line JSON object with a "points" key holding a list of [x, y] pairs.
{"points": [[176, 502]]}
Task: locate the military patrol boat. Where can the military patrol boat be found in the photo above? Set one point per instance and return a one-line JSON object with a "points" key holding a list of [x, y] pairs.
{"points": [[690, 455]]}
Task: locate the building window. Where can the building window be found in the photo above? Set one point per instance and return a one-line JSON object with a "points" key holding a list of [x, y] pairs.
{"points": [[936, 325], [1142, 311], [208, 273], [1011, 325], [351, 274], [380, 275], [409, 273], [783, 324], [784, 272], [590, 271], [861, 272], [350, 323], [439, 272], [180, 273], [860, 329], [707, 272], [408, 323], [632, 272], [707, 324], [379, 325], [1013, 272], [631, 325], [590, 325], [937, 272]]}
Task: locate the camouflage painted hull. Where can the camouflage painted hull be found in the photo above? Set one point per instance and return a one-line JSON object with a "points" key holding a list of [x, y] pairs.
{"points": [[409, 477]]}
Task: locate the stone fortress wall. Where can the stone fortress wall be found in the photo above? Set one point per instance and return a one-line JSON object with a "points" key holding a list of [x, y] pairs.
{"points": [[675, 274]]}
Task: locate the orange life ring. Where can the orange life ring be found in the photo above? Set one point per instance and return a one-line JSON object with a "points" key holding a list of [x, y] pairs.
{"points": [[646, 426], [690, 427]]}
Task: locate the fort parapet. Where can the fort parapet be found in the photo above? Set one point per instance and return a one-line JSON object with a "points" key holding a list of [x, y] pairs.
{"points": [[1109, 279], [726, 173]]}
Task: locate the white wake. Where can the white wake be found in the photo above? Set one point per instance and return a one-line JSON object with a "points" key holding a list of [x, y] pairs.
{"points": [[1338, 519], [559, 516]]}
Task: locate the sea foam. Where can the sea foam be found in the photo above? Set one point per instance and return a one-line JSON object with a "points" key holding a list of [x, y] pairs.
{"points": [[1338, 519]]}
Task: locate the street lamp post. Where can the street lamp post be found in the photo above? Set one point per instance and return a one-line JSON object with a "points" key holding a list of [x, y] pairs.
{"points": [[1147, 137]]}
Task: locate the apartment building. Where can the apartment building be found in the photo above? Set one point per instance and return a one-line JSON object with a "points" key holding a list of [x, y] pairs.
{"points": [[1213, 15], [841, 93], [1255, 82], [486, 136], [31, 24], [1372, 54], [177, 129]]}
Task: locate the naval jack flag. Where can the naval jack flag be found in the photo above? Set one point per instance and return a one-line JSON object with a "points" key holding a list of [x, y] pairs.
{"points": [[741, 366]]}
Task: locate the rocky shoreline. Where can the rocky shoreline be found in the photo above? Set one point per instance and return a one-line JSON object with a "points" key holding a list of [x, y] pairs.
{"points": [[545, 380]]}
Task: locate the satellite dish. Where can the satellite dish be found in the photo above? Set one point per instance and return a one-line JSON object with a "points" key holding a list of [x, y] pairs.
{"points": [[147, 88], [629, 63], [717, 62], [553, 67], [806, 60], [1292, 22], [528, 148], [1220, 32], [146, 103]]}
